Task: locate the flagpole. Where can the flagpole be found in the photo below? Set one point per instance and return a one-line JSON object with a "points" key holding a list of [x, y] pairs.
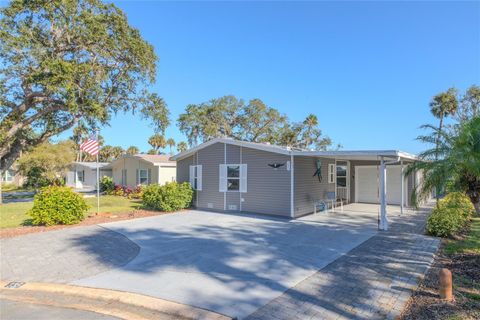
{"points": [[98, 178]]}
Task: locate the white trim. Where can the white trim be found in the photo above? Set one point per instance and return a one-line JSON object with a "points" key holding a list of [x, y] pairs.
{"points": [[332, 170], [402, 187], [292, 189], [241, 195], [225, 163]]}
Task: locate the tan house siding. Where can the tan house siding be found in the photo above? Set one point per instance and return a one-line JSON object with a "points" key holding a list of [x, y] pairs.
{"points": [[158, 174], [307, 187], [167, 174]]}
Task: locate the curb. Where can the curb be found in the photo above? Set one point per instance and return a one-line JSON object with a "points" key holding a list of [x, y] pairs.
{"points": [[126, 298]]}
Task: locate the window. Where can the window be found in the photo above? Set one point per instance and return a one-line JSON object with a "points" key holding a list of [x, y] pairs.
{"points": [[124, 177], [8, 176], [81, 176], [341, 176], [233, 178], [142, 176], [331, 173], [196, 177]]}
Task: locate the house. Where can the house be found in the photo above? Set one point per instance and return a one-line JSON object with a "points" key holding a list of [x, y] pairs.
{"points": [[83, 175], [133, 170], [12, 176], [239, 176]]}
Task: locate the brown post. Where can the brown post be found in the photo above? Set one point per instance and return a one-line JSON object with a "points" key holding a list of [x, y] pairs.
{"points": [[445, 289]]}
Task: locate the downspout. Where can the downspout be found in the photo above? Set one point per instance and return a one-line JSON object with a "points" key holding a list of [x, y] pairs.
{"points": [[292, 182]]}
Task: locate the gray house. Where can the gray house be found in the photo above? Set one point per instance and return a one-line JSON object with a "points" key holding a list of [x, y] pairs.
{"points": [[232, 175]]}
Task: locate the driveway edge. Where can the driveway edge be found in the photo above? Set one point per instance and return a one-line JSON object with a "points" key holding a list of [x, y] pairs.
{"points": [[177, 310]]}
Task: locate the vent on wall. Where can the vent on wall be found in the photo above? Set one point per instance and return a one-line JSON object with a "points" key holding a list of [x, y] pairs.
{"points": [[232, 207], [210, 205]]}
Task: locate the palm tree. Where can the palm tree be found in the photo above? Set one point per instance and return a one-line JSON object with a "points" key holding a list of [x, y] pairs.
{"points": [[182, 146], [455, 161], [157, 141], [132, 150], [171, 144], [443, 105]]}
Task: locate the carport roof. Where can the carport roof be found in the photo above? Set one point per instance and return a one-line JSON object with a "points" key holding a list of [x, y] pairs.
{"points": [[341, 155]]}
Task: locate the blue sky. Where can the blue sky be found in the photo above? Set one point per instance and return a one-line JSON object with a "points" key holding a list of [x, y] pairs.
{"points": [[367, 69]]}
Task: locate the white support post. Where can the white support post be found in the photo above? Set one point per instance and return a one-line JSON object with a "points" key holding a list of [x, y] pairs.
{"points": [[383, 195], [402, 185]]}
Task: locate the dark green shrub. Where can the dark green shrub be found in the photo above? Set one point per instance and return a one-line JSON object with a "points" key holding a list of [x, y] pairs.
{"points": [[107, 185], [57, 205], [450, 215], [169, 197]]}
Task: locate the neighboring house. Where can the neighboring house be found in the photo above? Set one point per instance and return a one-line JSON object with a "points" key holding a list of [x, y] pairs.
{"points": [[12, 176], [239, 176], [133, 170], [83, 175]]}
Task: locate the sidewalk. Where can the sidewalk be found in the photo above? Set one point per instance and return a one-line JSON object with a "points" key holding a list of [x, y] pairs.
{"points": [[373, 281]]}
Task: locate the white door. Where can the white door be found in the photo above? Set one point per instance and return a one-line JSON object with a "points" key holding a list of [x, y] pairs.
{"points": [[366, 184]]}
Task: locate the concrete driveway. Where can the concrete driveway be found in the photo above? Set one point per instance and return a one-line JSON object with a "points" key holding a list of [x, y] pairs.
{"points": [[231, 264]]}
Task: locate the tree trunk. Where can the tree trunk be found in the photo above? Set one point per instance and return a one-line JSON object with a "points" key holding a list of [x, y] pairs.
{"points": [[440, 126], [477, 207]]}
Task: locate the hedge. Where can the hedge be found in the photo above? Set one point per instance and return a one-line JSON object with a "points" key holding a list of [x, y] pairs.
{"points": [[451, 214], [57, 205], [169, 197]]}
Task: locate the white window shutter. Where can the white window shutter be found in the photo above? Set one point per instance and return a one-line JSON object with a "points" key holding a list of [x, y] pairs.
{"points": [[199, 178], [192, 176], [222, 183], [331, 173], [243, 178]]}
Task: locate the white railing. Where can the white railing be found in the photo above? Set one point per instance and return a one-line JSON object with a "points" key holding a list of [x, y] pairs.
{"points": [[342, 193]]}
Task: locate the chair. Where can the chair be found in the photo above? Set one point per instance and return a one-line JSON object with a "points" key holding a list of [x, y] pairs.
{"points": [[335, 201]]}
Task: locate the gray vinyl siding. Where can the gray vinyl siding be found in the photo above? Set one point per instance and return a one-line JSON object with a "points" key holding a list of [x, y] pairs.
{"points": [[210, 158], [268, 190], [183, 169], [307, 187]]}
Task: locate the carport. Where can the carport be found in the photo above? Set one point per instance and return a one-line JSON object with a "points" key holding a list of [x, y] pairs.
{"points": [[376, 177]]}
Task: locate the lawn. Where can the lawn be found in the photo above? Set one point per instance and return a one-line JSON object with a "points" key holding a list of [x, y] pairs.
{"points": [[471, 242], [14, 214]]}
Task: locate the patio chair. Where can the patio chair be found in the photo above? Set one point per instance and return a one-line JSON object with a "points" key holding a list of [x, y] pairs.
{"points": [[330, 195]]}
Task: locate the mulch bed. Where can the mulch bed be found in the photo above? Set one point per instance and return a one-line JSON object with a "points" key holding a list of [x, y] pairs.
{"points": [[425, 303], [90, 220]]}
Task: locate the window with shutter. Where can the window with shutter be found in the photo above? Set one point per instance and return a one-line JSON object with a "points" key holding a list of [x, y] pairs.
{"points": [[196, 177]]}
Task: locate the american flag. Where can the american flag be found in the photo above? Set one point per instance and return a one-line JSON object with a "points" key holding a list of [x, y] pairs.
{"points": [[90, 146]]}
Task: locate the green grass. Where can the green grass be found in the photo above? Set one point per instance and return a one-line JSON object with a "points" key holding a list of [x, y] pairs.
{"points": [[14, 214], [10, 187], [471, 243]]}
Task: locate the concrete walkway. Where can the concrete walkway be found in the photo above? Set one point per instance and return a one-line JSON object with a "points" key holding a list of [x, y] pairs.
{"points": [[373, 281]]}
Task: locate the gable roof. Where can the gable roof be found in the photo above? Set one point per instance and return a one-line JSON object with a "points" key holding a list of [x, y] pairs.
{"points": [[91, 165], [155, 158], [346, 155]]}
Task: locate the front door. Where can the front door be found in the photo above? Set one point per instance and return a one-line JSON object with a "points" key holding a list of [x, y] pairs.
{"points": [[342, 183]]}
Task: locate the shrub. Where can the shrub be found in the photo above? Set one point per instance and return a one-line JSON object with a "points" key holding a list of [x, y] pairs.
{"points": [[107, 185], [57, 205], [137, 193], [169, 197], [450, 215]]}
